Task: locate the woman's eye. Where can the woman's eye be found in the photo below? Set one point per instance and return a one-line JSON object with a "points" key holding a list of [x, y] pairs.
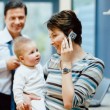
{"points": [[54, 35]]}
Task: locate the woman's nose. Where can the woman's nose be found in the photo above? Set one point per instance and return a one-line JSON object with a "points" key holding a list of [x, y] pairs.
{"points": [[51, 42]]}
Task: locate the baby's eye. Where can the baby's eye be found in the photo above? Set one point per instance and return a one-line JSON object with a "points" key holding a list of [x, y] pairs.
{"points": [[32, 52]]}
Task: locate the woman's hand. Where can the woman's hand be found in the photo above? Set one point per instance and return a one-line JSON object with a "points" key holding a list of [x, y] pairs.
{"points": [[27, 101], [66, 53]]}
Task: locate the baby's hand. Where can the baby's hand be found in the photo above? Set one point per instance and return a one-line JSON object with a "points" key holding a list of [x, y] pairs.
{"points": [[20, 106]]}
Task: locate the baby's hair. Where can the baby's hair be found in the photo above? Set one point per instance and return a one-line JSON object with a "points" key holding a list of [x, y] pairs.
{"points": [[19, 45]]}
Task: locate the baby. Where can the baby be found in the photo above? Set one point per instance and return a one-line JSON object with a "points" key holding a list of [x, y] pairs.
{"points": [[29, 77]]}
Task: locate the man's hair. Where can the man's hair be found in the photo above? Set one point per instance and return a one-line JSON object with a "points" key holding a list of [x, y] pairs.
{"points": [[20, 45], [12, 4]]}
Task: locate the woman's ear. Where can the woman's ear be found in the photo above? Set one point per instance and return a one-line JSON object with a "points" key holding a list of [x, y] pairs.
{"points": [[21, 58]]}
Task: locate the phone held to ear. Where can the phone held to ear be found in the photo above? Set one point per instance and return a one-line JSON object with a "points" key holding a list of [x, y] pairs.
{"points": [[72, 35]]}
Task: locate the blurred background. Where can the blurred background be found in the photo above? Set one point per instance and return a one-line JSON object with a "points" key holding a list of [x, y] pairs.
{"points": [[95, 18]]}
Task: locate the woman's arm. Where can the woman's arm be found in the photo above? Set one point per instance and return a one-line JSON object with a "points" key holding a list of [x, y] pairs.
{"points": [[67, 90], [67, 85], [87, 83]]}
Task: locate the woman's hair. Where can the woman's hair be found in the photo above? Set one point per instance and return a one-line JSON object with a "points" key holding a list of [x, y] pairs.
{"points": [[66, 21], [20, 45]]}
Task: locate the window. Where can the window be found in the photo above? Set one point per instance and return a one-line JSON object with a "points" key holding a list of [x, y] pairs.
{"points": [[85, 9], [1, 15]]}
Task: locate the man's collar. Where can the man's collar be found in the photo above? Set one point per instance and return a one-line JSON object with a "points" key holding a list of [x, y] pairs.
{"points": [[5, 36]]}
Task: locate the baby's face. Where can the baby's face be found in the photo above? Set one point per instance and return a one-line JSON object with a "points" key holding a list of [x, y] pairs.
{"points": [[31, 55]]}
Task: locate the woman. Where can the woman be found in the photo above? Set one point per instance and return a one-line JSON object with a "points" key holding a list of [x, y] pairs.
{"points": [[72, 74]]}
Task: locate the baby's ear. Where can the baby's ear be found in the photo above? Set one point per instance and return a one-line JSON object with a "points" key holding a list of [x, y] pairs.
{"points": [[21, 58]]}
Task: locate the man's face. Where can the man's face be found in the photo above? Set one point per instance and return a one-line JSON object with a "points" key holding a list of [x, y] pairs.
{"points": [[15, 20]]}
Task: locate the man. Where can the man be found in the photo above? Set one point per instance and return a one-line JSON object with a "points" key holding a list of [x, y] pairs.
{"points": [[15, 16]]}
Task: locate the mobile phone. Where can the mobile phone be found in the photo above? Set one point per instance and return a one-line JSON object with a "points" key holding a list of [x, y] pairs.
{"points": [[72, 35]]}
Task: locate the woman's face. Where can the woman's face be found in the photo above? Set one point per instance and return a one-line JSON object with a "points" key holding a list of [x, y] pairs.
{"points": [[56, 38]]}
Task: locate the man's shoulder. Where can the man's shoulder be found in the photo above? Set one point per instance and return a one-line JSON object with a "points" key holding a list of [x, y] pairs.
{"points": [[5, 36]]}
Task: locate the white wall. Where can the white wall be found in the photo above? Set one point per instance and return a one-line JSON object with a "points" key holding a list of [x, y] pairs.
{"points": [[64, 4]]}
